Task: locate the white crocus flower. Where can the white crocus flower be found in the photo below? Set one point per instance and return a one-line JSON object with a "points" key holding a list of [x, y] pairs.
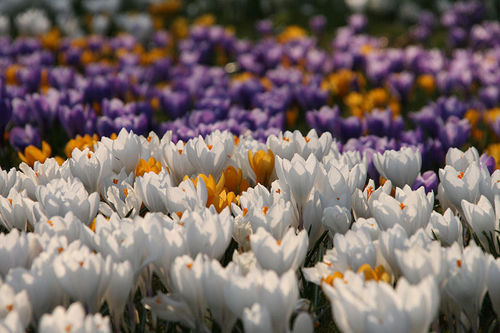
{"points": [[460, 160], [33, 22], [257, 319], [14, 302], [8, 181], [410, 209], [401, 167], [389, 241], [278, 294], [60, 196], [369, 225], [186, 196], [336, 219], [460, 185], [69, 226], [303, 323], [280, 255], [125, 150], [16, 210], [245, 261], [362, 201], [176, 157], [174, 244], [41, 174], [299, 176], [73, 319], [129, 242], [466, 284], [482, 219], [367, 307], [84, 276], [417, 263], [91, 167], [40, 283], [121, 199], [207, 159], [447, 228], [351, 251], [99, 6], [4, 25], [215, 279], [312, 213], [139, 25], [287, 144], [275, 216], [353, 167], [333, 188], [492, 279], [119, 289], [14, 251], [207, 231], [12, 323], [186, 276], [420, 301], [151, 189]]}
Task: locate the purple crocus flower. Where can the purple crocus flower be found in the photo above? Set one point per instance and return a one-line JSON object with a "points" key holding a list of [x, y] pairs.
{"points": [[428, 180], [381, 123], [243, 92], [326, 119], [44, 108], [30, 78], [489, 161], [490, 96], [61, 77], [96, 89], [5, 115], [351, 127], [455, 132], [401, 84], [433, 154], [310, 97], [357, 22], [175, 104], [264, 27], [197, 117], [451, 106], [274, 101], [107, 126], [22, 137], [318, 24], [77, 120], [428, 118]]}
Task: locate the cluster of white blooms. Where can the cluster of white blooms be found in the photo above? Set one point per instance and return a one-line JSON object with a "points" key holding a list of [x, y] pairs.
{"points": [[236, 227]]}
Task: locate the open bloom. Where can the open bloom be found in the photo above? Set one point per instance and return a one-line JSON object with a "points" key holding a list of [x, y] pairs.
{"points": [[482, 219], [83, 275], [466, 284], [60, 196], [359, 306], [208, 231], [401, 167], [151, 187], [410, 209], [280, 255], [91, 167], [460, 185], [14, 302], [447, 228], [73, 319]]}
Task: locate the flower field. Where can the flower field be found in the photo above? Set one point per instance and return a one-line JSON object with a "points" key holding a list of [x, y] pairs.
{"points": [[162, 172]]}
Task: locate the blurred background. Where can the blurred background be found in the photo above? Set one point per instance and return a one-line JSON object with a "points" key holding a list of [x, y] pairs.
{"points": [[79, 17]]}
